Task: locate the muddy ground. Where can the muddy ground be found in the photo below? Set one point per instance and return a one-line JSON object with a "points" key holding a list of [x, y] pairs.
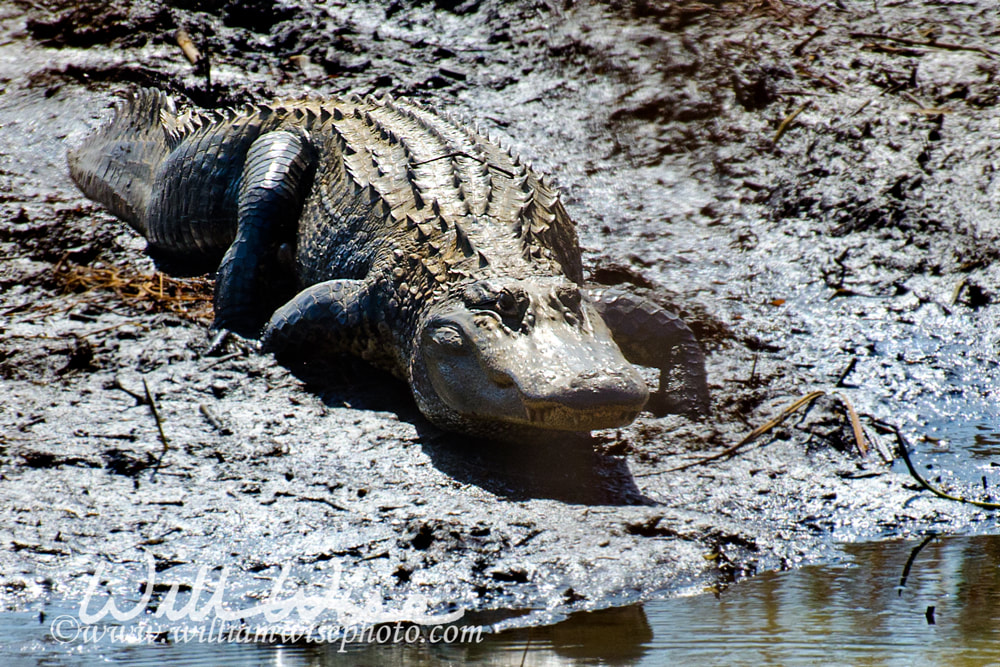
{"points": [[813, 185]]}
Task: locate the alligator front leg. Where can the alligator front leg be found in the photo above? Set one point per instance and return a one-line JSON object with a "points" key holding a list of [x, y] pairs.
{"points": [[276, 177], [649, 335], [332, 316]]}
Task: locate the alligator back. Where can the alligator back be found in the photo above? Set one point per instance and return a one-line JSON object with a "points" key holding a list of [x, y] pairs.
{"points": [[175, 178]]}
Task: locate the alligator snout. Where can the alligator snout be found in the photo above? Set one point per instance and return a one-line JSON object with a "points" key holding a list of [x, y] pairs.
{"points": [[600, 398]]}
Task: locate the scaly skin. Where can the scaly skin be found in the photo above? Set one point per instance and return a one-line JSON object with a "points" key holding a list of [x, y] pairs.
{"points": [[399, 236]]}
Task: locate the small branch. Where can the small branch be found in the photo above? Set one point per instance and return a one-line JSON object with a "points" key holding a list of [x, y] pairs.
{"points": [[756, 433], [904, 452], [989, 53], [159, 428], [785, 124]]}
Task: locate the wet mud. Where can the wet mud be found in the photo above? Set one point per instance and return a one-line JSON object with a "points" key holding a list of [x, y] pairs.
{"points": [[811, 185]]}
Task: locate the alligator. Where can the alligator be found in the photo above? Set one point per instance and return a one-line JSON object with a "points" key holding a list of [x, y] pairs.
{"points": [[376, 228]]}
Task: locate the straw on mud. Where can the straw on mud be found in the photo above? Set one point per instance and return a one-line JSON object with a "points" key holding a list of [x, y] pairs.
{"points": [[859, 434], [904, 452], [756, 433], [947, 46], [957, 293], [785, 124], [187, 297]]}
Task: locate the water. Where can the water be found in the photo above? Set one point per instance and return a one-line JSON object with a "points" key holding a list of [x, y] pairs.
{"points": [[935, 601]]}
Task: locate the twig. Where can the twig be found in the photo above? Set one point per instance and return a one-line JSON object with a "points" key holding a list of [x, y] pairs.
{"points": [[905, 453], [117, 384], [859, 433], [471, 157], [220, 360], [312, 499], [756, 433], [218, 342], [191, 51], [989, 53], [785, 124], [159, 428], [106, 329], [797, 51], [847, 371], [212, 419], [887, 91], [861, 108]]}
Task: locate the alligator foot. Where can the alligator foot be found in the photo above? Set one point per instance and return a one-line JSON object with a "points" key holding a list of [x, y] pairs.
{"points": [[331, 315], [649, 335]]}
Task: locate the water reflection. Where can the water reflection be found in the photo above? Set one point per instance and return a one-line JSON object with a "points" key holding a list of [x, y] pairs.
{"points": [[849, 613], [985, 440], [935, 601]]}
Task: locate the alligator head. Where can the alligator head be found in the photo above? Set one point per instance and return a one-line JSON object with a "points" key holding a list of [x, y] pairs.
{"points": [[499, 357]]}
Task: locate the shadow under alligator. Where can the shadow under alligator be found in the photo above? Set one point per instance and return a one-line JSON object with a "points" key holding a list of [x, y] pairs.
{"points": [[567, 469]]}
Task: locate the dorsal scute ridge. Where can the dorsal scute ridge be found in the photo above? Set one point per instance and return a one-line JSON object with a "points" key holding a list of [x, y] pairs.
{"points": [[462, 241]]}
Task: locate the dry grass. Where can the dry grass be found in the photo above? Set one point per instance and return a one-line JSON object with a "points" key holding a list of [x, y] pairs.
{"points": [[190, 298]]}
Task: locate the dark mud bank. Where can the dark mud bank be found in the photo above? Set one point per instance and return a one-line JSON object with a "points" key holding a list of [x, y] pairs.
{"points": [[814, 192]]}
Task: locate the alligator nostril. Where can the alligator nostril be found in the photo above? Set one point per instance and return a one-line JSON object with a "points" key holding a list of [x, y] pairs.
{"points": [[500, 379]]}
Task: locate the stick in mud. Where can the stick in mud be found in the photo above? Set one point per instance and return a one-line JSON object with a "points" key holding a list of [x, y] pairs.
{"points": [[989, 53], [194, 56], [785, 124], [756, 433], [159, 428], [904, 452]]}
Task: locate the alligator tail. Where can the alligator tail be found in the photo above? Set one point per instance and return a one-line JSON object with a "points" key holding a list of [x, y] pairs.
{"points": [[117, 164]]}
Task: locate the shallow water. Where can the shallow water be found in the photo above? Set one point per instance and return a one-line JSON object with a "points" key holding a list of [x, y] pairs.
{"points": [[935, 601]]}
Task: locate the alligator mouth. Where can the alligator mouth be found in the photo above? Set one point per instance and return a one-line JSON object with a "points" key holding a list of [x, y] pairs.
{"points": [[561, 418]]}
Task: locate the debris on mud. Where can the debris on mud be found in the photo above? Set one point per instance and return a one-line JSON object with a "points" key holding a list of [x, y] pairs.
{"points": [[154, 293]]}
